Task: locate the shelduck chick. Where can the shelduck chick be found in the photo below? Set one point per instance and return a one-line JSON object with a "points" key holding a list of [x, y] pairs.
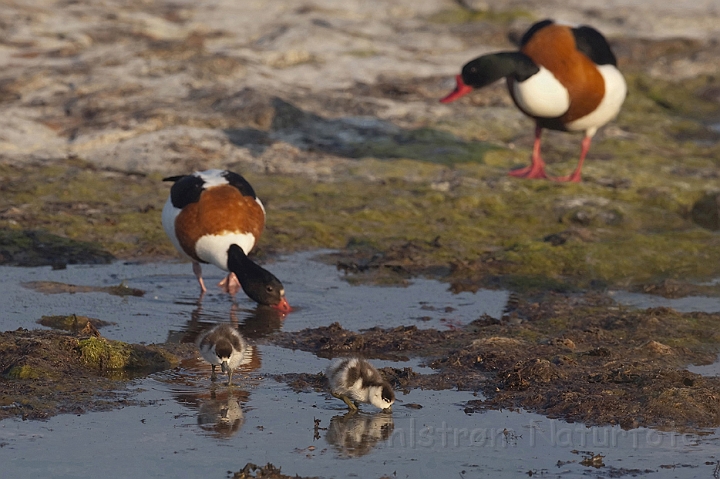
{"points": [[564, 78], [354, 380], [223, 346], [209, 212]]}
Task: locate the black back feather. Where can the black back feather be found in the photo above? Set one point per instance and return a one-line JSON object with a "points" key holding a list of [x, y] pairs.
{"points": [[240, 183], [533, 30], [186, 190], [593, 44]]}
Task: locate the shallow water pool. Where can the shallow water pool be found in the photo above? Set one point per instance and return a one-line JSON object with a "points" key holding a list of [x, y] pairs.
{"points": [[183, 425]]}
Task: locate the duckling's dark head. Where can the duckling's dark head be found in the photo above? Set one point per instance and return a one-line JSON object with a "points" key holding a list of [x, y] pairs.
{"points": [[382, 396]]}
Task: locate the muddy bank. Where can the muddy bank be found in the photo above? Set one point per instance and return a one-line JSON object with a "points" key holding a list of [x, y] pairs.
{"points": [[580, 358], [267, 471], [490, 232], [39, 248], [44, 373]]}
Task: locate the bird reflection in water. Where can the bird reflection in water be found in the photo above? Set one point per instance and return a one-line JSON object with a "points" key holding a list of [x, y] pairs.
{"points": [[219, 408], [355, 434], [256, 323], [221, 415]]}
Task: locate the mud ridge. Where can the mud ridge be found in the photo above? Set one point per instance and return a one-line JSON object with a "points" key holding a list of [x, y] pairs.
{"points": [[572, 357]]}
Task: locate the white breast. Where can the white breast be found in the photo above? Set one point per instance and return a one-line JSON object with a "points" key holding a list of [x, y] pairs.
{"points": [[541, 95], [213, 248], [169, 215], [615, 92]]}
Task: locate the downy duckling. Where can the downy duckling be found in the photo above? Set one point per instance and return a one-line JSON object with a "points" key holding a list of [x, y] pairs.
{"points": [[354, 380], [223, 346]]}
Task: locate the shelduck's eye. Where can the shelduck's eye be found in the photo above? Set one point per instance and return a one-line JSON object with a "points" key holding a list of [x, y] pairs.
{"points": [[269, 289]]}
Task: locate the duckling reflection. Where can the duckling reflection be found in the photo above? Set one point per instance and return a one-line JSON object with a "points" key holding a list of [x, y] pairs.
{"points": [[219, 410], [357, 433], [221, 417]]}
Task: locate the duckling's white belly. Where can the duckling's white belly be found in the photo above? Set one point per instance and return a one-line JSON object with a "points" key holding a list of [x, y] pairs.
{"points": [[357, 392], [236, 359], [240, 358]]}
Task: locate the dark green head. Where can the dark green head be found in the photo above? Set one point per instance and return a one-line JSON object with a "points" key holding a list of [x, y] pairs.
{"points": [[487, 69], [258, 283]]}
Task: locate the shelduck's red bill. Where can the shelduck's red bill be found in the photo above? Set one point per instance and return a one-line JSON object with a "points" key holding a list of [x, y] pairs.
{"points": [[283, 306], [460, 90]]}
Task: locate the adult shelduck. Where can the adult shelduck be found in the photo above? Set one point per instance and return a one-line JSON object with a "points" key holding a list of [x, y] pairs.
{"points": [[215, 217], [565, 78]]}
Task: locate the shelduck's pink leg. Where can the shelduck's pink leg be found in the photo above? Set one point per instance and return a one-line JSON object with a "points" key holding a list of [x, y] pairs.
{"points": [[536, 170], [230, 284], [197, 269], [575, 176]]}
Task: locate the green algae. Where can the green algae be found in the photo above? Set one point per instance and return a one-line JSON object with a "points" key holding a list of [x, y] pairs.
{"points": [[54, 287], [630, 241], [72, 322], [44, 372], [83, 208], [105, 354], [684, 97], [628, 223], [464, 15], [37, 248], [28, 372], [425, 144], [509, 218], [640, 232]]}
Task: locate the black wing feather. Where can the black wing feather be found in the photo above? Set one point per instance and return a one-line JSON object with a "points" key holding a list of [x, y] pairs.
{"points": [[533, 30], [186, 190], [593, 44], [240, 183]]}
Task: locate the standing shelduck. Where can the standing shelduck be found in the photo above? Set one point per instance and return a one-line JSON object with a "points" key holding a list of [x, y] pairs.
{"points": [[563, 77], [215, 217]]}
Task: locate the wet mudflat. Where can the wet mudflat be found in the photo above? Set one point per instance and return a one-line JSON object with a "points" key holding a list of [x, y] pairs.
{"points": [[330, 109], [449, 421]]}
